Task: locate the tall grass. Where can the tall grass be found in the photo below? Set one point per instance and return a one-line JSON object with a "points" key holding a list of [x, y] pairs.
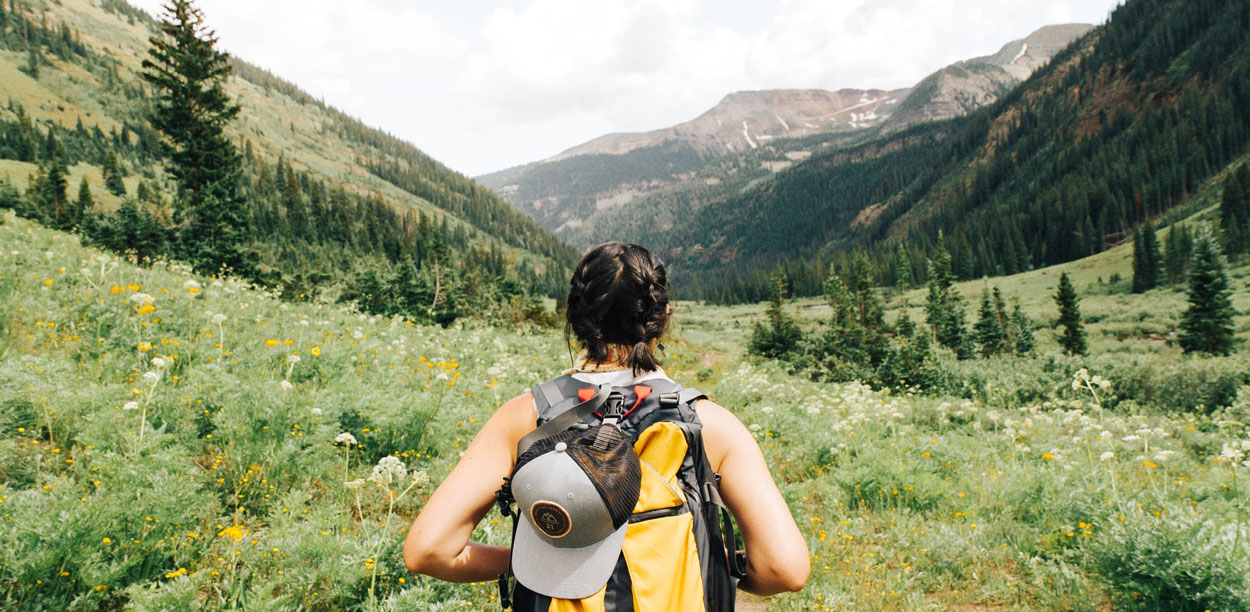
{"points": [[219, 477]]}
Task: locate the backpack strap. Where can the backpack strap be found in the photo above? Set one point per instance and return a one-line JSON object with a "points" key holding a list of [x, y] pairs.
{"points": [[565, 419], [679, 395]]}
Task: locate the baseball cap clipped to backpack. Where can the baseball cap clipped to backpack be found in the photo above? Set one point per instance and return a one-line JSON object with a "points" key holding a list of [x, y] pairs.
{"points": [[575, 492]]}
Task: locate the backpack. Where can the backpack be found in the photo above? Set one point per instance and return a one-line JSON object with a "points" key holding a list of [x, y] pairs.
{"points": [[674, 556]]}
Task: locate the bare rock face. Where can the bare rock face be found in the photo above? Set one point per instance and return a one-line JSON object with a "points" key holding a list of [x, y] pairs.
{"points": [[965, 86], [745, 119]]}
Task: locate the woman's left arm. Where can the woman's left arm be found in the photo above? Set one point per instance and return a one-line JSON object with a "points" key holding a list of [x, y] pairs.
{"points": [[438, 542]]}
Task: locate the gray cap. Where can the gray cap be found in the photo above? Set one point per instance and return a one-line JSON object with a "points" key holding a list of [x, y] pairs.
{"points": [[566, 544]]}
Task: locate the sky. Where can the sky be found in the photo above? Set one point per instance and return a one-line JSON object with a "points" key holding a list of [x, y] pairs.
{"points": [[486, 85]]}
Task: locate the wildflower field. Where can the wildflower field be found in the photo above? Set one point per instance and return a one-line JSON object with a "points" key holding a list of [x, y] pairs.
{"points": [[173, 442]]}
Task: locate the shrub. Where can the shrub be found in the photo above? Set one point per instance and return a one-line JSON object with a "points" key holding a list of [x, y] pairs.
{"points": [[1179, 561]]}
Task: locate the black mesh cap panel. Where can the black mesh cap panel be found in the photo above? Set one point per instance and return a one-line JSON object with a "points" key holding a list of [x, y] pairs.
{"points": [[614, 470]]}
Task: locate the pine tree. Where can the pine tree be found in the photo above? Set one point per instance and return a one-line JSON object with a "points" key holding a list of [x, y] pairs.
{"points": [[113, 176], [33, 59], [1073, 337], [1231, 201], [49, 194], [944, 309], [1022, 330], [782, 334], [867, 303], [841, 303], [192, 110], [83, 204], [1146, 258], [1207, 325], [988, 330], [1176, 255]]}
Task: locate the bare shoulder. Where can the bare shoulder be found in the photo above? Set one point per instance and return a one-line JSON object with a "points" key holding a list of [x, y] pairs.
{"points": [[723, 433], [516, 416]]}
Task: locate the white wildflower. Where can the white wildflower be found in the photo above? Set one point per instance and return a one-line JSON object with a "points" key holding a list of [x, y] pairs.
{"points": [[1232, 453], [130, 406], [1130, 438], [286, 385], [159, 362], [1107, 456], [388, 470], [354, 484], [346, 438], [1163, 455], [151, 377], [141, 298], [190, 284], [219, 318], [293, 359], [315, 411]]}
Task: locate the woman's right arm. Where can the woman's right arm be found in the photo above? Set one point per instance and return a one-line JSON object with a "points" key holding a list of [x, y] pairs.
{"points": [[777, 555]]}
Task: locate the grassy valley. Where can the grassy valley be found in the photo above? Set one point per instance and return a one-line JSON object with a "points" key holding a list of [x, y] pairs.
{"points": [[169, 442]]}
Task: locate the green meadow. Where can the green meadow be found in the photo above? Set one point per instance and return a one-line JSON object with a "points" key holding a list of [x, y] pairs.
{"points": [[176, 442]]}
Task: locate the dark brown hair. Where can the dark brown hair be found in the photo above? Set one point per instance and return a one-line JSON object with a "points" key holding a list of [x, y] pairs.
{"points": [[618, 296]]}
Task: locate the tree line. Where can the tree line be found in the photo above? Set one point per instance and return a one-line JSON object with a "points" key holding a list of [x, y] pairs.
{"points": [[232, 210]]}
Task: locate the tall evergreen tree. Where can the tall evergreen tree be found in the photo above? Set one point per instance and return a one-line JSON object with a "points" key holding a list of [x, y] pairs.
{"points": [[944, 307], [113, 175], [1207, 325], [781, 334], [1234, 198], [192, 111], [867, 303], [49, 194], [988, 330], [1146, 258], [1022, 331], [83, 204], [1176, 254], [1073, 337]]}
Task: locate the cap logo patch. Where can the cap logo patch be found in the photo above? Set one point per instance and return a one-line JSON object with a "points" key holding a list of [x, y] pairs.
{"points": [[551, 519]]}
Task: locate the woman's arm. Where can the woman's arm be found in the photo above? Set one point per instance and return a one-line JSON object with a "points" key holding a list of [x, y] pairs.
{"points": [[438, 542], [777, 556]]}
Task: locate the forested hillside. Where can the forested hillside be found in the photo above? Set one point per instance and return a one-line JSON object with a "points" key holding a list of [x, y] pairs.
{"points": [[1121, 127], [334, 207]]}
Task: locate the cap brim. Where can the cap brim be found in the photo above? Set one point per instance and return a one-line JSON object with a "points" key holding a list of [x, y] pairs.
{"points": [[563, 573]]}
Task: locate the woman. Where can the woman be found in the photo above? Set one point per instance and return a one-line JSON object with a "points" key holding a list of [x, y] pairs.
{"points": [[617, 309]]}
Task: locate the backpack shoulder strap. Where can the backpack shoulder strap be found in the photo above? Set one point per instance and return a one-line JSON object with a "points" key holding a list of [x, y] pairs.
{"points": [[564, 420]]}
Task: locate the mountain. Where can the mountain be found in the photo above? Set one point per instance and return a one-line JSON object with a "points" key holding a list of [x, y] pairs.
{"points": [[335, 205], [965, 86], [769, 130], [1123, 126]]}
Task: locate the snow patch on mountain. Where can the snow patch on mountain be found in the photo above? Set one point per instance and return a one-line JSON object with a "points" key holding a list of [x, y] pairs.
{"points": [[1023, 48], [746, 133]]}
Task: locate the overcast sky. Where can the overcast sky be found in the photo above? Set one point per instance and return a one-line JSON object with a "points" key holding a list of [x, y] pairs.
{"points": [[484, 85]]}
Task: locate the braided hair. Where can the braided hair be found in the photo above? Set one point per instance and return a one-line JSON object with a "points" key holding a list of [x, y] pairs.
{"points": [[618, 296]]}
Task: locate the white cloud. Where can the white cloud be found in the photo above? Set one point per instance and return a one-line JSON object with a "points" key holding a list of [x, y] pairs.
{"points": [[534, 78]]}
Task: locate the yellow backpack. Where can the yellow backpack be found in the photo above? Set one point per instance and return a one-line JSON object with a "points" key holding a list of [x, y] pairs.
{"points": [[674, 556]]}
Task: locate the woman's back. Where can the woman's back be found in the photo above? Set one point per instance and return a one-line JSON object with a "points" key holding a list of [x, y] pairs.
{"points": [[617, 309]]}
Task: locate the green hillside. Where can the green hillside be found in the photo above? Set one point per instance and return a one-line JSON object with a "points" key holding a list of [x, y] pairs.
{"points": [[168, 442], [334, 204], [1123, 126]]}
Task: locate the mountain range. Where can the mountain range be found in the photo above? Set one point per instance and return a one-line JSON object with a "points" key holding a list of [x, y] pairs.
{"points": [[772, 128]]}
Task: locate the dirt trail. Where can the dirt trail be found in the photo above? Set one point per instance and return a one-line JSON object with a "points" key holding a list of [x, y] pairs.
{"points": [[749, 603]]}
